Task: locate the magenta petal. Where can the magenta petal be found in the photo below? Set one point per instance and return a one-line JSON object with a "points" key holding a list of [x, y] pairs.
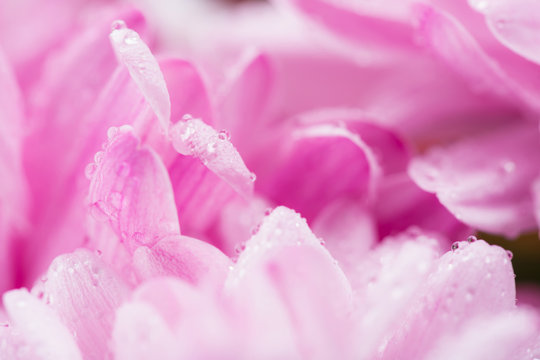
{"points": [[189, 259], [120, 190], [13, 191], [475, 279], [192, 137], [485, 181], [306, 176], [187, 90], [85, 293], [516, 25], [504, 336], [144, 69], [36, 331]]}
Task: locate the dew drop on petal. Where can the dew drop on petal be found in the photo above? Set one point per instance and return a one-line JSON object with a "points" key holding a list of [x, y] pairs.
{"points": [[90, 170], [268, 211], [118, 25], [239, 248], [112, 132], [98, 157], [98, 252], [455, 246], [187, 117], [252, 177], [224, 135], [472, 239], [510, 254]]}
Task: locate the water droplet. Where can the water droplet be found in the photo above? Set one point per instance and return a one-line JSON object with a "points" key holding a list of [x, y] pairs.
{"points": [[98, 252], [508, 166], [99, 157], [187, 117], [224, 135], [510, 254], [455, 246], [211, 148], [118, 25], [90, 170], [123, 169], [255, 229], [472, 239], [252, 177], [112, 132], [131, 38], [239, 248], [268, 211], [323, 243], [97, 210]]}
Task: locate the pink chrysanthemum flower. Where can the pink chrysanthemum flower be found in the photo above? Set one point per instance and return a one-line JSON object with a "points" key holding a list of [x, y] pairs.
{"points": [[296, 179]]}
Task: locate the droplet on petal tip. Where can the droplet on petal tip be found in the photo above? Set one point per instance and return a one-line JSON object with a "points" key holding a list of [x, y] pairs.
{"points": [[510, 254], [118, 25], [472, 239], [224, 135], [455, 246]]}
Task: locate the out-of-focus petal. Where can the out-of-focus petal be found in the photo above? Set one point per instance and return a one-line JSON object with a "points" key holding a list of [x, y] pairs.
{"points": [[386, 282], [192, 137], [494, 71], [13, 191], [144, 69], [36, 331], [85, 293], [130, 187], [284, 253], [485, 181], [516, 25], [505, 336], [305, 176], [475, 279], [189, 259]]}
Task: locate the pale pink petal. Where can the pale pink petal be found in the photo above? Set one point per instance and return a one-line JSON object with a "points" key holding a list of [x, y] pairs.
{"points": [[131, 188], [192, 137], [85, 293], [386, 282], [144, 69], [316, 296], [189, 259], [475, 279], [305, 176], [190, 324], [506, 336], [515, 25], [354, 24], [492, 71], [36, 331], [485, 181], [348, 231]]}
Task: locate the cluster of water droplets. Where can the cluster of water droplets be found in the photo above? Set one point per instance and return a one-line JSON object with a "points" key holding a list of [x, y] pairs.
{"points": [[471, 239]]}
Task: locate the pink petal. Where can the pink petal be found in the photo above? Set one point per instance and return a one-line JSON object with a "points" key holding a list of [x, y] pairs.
{"points": [[476, 279], [386, 282], [68, 89], [144, 69], [305, 177], [495, 71], [515, 25], [192, 137], [485, 181], [187, 90], [189, 259], [401, 204], [504, 336], [315, 294], [170, 318], [85, 293], [355, 25], [119, 191], [13, 190], [348, 230], [36, 331]]}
